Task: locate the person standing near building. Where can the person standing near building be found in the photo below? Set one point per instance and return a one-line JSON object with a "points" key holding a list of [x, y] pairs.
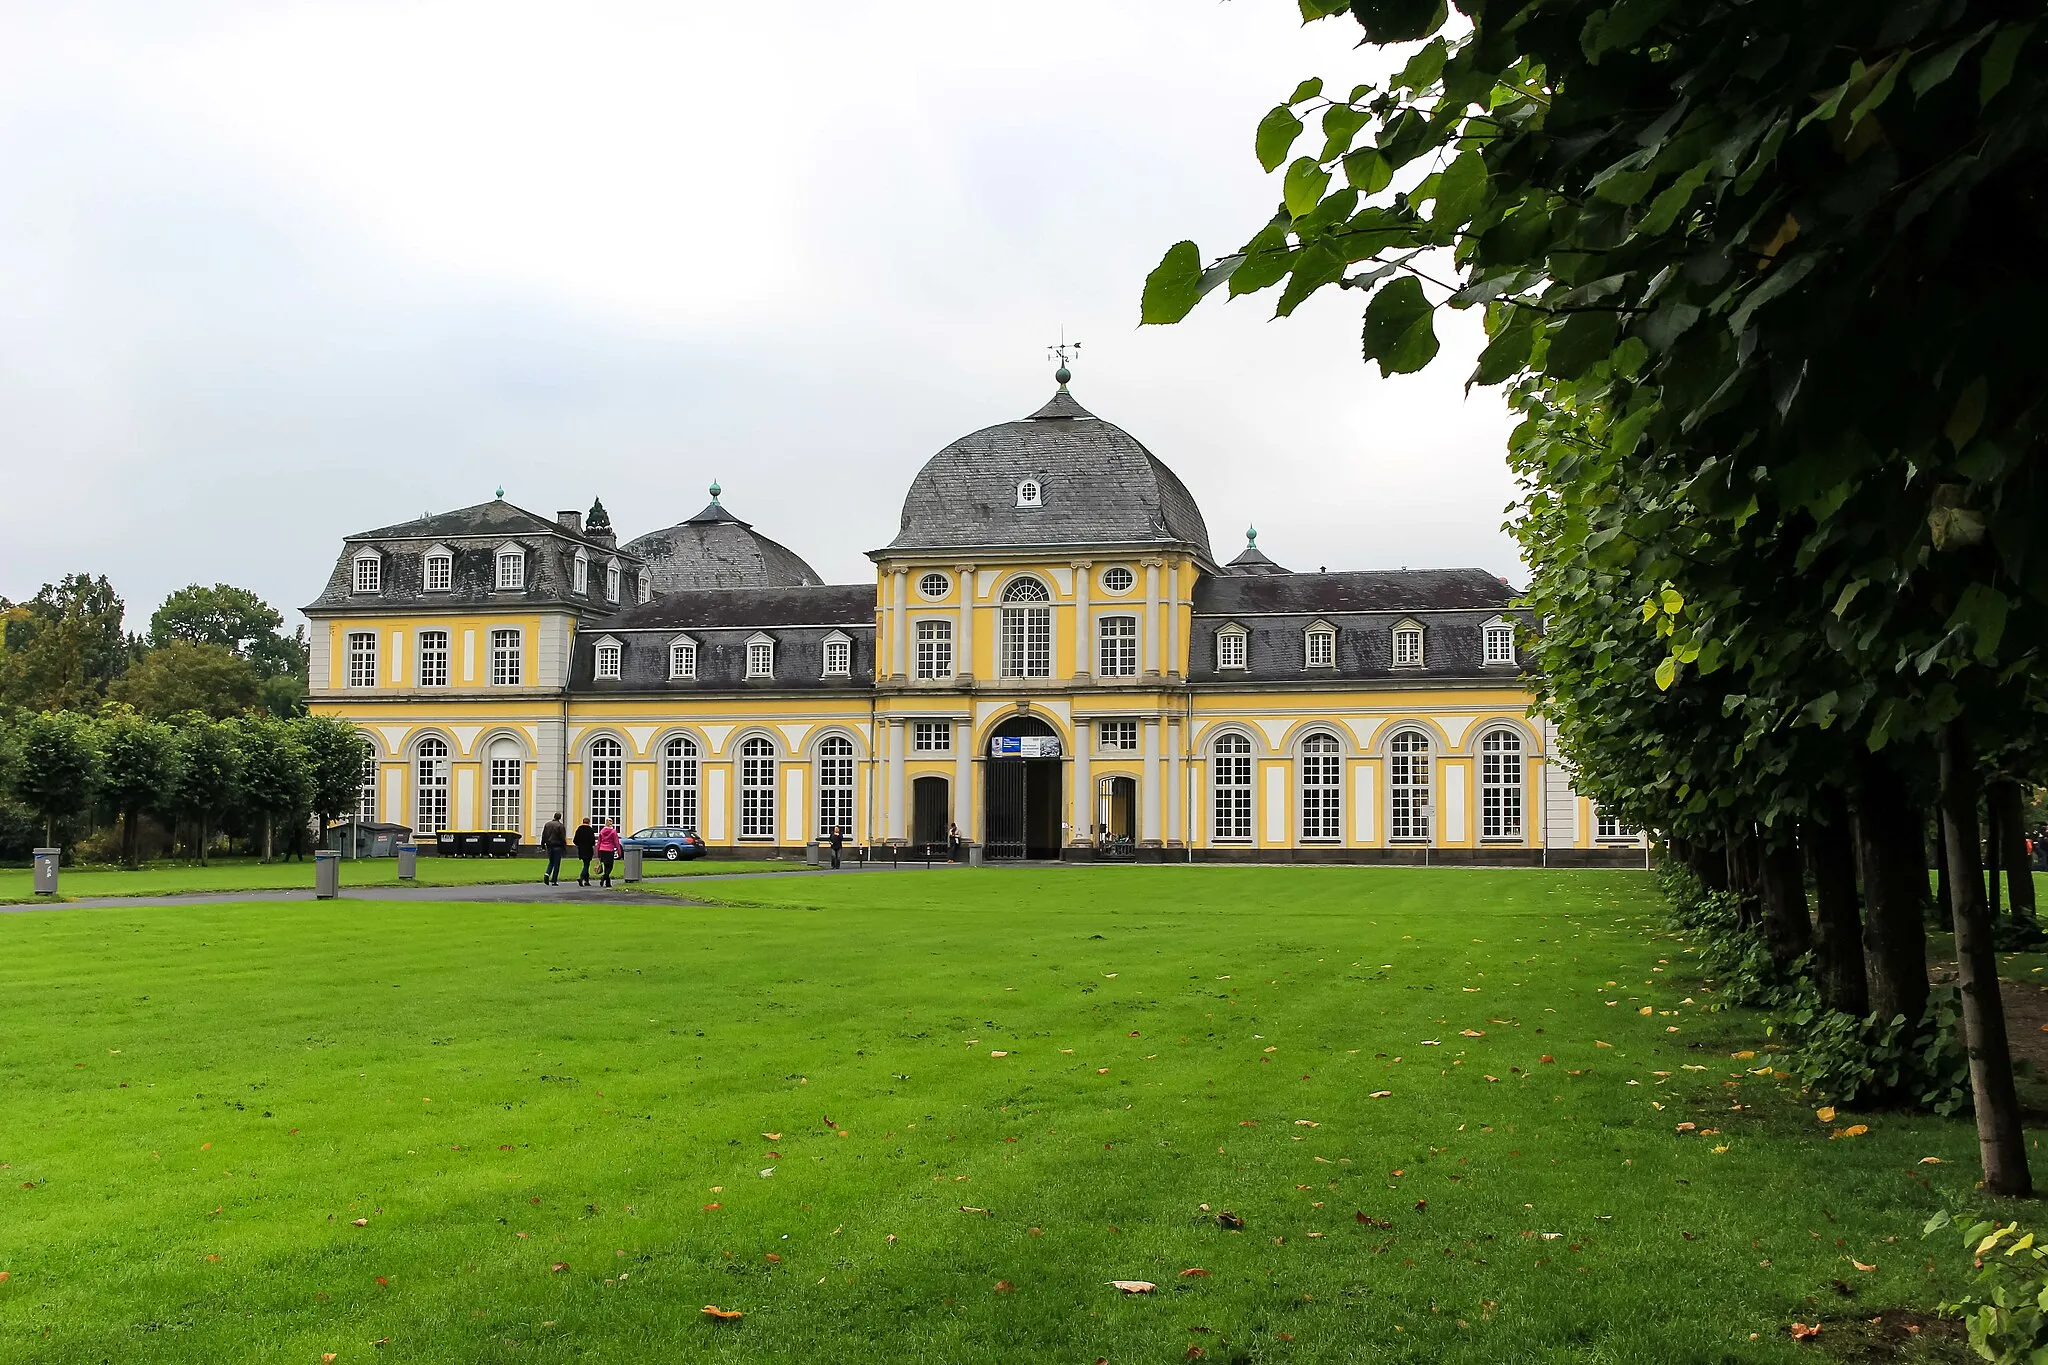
{"points": [[608, 846], [554, 837], [838, 842], [586, 846]]}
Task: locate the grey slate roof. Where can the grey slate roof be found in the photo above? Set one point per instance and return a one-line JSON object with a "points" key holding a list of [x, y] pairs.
{"points": [[721, 621], [1451, 605], [472, 536], [1253, 560], [1101, 487], [715, 549]]}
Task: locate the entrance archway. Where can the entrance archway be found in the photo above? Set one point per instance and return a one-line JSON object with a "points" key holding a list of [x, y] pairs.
{"points": [[929, 799], [1023, 790], [1116, 815]]}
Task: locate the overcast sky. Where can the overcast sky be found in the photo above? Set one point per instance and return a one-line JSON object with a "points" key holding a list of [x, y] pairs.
{"points": [[275, 272]]}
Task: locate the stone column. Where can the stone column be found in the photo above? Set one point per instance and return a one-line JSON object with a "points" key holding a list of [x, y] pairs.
{"points": [[963, 660], [898, 785], [1176, 781], [1084, 786], [1083, 663], [1148, 824], [899, 628], [1173, 667], [963, 773], [1151, 618]]}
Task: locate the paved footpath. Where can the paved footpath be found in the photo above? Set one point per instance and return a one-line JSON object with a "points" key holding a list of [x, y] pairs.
{"points": [[508, 893]]}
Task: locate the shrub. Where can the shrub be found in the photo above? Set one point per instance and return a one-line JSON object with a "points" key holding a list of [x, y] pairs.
{"points": [[2006, 1307]]}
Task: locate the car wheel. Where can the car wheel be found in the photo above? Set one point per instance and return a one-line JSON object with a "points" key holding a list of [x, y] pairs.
{"points": [[672, 853]]}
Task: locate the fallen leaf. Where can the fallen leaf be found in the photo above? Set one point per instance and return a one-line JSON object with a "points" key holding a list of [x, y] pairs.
{"points": [[712, 1310], [1194, 1273], [707, 1209], [1379, 1094], [998, 1054], [1860, 1266], [1004, 1286], [968, 1208], [1826, 1113], [773, 1259], [1853, 1130], [1134, 1286], [1687, 1127], [1546, 1057], [1930, 1161], [1647, 1009], [1229, 1221], [1801, 1332], [362, 1222], [1598, 1043], [1194, 1353], [1473, 1033], [772, 1137], [559, 1266], [381, 1280], [329, 1358], [1306, 1123]]}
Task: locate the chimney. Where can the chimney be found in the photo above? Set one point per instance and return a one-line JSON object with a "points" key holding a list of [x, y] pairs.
{"points": [[570, 521]]}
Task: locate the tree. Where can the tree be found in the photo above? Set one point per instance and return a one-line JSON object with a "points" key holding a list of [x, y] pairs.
{"points": [[276, 779], [136, 771], [61, 648], [183, 676], [335, 755], [235, 619], [57, 767], [208, 775]]}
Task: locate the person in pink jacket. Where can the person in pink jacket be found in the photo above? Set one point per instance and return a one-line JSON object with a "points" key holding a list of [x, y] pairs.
{"points": [[608, 846]]}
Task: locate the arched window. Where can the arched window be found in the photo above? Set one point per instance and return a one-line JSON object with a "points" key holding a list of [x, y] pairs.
{"points": [[934, 649], [430, 796], [1027, 630], [439, 575], [606, 774], [1116, 650], [1408, 779], [646, 589], [1500, 642], [757, 789], [1231, 778], [835, 786], [369, 572], [511, 567], [679, 783], [1322, 788], [582, 578], [508, 784], [366, 794], [610, 655], [1500, 785], [611, 580]]}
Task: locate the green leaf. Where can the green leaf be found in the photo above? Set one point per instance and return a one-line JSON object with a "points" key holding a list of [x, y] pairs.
{"points": [[1968, 413], [1277, 131], [1341, 124], [1399, 330], [1780, 279], [1849, 595], [1267, 259], [1996, 71], [1666, 207], [1623, 187], [1507, 354], [1398, 21], [1304, 186], [1174, 285], [1424, 67], [1942, 64], [1368, 171], [1880, 92], [1672, 601], [1459, 191], [1982, 608], [1622, 25], [1306, 91], [1667, 674], [1583, 339], [1314, 267]]}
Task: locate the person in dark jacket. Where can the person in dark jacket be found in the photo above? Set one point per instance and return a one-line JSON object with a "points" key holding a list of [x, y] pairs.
{"points": [[586, 848], [554, 839], [838, 842]]}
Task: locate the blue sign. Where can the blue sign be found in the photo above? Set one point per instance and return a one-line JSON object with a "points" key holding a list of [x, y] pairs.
{"points": [[1024, 746]]}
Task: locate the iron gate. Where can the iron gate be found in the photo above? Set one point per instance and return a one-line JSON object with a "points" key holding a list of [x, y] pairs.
{"points": [[1008, 782]]}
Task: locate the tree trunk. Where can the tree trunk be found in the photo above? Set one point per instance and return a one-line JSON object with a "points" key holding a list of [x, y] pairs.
{"points": [[1941, 900], [205, 825], [2001, 1145], [269, 828], [1892, 856], [1786, 926], [1745, 856], [1991, 859], [131, 838], [2008, 824], [1838, 923], [1710, 862]]}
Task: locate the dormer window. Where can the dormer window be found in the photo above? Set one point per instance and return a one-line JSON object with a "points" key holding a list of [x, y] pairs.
{"points": [[1320, 646], [1499, 636], [1030, 494], [761, 657], [609, 656], [682, 658], [612, 578], [369, 572], [1230, 647], [582, 575], [439, 574], [1408, 645], [646, 588], [511, 568], [838, 655]]}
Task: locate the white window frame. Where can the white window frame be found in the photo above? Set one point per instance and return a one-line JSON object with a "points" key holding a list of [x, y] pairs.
{"points": [[367, 572], [508, 656], [1408, 647], [681, 772], [1497, 642], [1027, 629], [604, 781], [437, 569], [581, 578], [360, 649], [435, 653], [1321, 783], [1116, 736], [1117, 579], [645, 589], [1030, 493], [1319, 646], [366, 793], [934, 585], [1610, 828], [840, 645], [505, 778], [682, 658], [1116, 646], [934, 648], [608, 659], [430, 786], [1501, 783], [761, 656], [509, 568], [931, 737], [614, 576], [1411, 759], [757, 788], [1233, 763], [1233, 648], [835, 785]]}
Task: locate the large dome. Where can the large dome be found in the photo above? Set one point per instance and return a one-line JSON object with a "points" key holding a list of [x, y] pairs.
{"points": [[715, 549], [1096, 486]]}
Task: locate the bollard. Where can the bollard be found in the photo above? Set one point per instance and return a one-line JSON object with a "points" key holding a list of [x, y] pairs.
{"points": [[632, 855], [326, 874], [408, 862], [46, 870]]}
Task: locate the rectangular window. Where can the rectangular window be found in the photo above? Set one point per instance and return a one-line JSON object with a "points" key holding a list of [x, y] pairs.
{"points": [[1116, 653], [760, 659], [512, 570], [608, 661], [934, 649], [507, 778], [1611, 827], [433, 658], [362, 658], [505, 658], [1027, 642], [366, 795], [1322, 648], [838, 658], [369, 574], [931, 737], [682, 660], [440, 573], [582, 572], [1230, 649], [1407, 647], [611, 581], [1121, 735]]}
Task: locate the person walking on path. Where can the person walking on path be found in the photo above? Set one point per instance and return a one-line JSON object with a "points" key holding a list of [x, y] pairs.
{"points": [[838, 842], [554, 837], [586, 845], [608, 846]]}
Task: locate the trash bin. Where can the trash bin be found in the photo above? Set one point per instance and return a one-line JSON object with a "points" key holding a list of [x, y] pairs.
{"points": [[408, 862], [811, 853], [326, 874], [632, 855], [46, 870], [974, 855]]}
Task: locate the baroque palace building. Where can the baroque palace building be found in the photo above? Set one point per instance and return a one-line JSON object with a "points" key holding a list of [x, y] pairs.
{"points": [[1050, 660]]}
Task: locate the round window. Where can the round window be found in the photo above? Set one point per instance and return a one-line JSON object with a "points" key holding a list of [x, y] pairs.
{"points": [[1117, 579], [933, 585]]}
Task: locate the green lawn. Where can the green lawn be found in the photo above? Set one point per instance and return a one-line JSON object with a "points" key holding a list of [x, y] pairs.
{"points": [[17, 884], [928, 1116]]}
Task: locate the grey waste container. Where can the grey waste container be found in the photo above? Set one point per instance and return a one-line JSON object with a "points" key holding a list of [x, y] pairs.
{"points": [[326, 874], [631, 856], [974, 855], [408, 862], [46, 870], [811, 853]]}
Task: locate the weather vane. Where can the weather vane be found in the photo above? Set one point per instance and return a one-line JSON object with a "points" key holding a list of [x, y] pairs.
{"points": [[1060, 353]]}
